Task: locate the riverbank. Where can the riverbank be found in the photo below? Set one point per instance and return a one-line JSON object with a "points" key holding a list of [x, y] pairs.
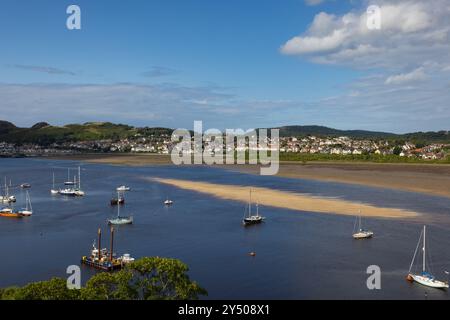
{"points": [[433, 179]]}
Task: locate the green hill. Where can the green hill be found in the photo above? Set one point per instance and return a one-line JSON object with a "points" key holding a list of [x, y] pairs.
{"points": [[45, 134]]}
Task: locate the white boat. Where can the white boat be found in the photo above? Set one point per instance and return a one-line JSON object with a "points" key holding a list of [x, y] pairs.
{"points": [[425, 277], [74, 192], [28, 211], [120, 220], [7, 198], [123, 188], [53, 190], [126, 258], [252, 219], [168, 202], [360, 232]]}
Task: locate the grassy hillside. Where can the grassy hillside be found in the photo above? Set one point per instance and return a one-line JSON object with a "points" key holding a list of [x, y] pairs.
{"points": [[45, 134]]}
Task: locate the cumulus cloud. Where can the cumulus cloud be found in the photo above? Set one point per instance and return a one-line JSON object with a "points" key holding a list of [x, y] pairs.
{"points": [[410, 30], [405, 64]]}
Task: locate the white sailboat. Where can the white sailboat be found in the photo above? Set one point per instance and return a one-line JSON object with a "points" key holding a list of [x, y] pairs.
{"points": [[252, 219], [425, 278], [6, 198], [53, 190], [28, 211], [123, 188], [120, 220], [360, 232], [74, 192]]}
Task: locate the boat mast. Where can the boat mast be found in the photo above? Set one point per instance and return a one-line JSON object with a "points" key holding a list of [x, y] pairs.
{"points": [[112, 243], [118, 205], [250, 204], [424, 236], [53, 181], [79, 178], [99, 243]]}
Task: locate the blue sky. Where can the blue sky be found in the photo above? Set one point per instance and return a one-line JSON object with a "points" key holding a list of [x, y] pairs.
{"points": [[228, 63]]}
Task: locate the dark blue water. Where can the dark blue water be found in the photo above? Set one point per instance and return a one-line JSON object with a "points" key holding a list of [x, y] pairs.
{"points": [[299, 255]]}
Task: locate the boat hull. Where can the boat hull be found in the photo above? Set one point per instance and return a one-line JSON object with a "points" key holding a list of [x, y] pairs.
{"points": [[249, 221], [363, 235], [106, 266], [426, 281]]}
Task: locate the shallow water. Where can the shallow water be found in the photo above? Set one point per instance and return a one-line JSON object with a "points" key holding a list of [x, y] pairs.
{"points": [[299, 255]]}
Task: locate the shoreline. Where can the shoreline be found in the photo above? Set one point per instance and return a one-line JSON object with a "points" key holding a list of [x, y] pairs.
{"points": [[432, 179], [290, 200]]}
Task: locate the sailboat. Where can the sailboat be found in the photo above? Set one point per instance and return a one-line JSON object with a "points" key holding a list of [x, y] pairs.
{"points": [[123, 188], [28, 211], [9, 213], [120, 220], [361, 233], [425, 278], [252, 219], [53, 190], [74, 192], [120, 199], [6, 198]]}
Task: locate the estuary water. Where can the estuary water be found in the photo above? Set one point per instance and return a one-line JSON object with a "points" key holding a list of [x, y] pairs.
{"points": [[299, 255]]}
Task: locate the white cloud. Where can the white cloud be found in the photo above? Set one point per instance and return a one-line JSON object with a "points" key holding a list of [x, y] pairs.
{"points": [[410, 30], [413, 76], [405, 64]]}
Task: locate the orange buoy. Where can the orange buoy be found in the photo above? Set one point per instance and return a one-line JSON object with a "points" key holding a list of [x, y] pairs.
{"points": [[409, 278]]}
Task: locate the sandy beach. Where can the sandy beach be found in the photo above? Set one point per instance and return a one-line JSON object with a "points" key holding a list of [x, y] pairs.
{"points": [[423, 178], [433, 179], [289, 200]]}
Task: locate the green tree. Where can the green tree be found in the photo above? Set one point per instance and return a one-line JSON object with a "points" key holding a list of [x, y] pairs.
{"points": [[160, 278], [146, 278], [54, 289]]}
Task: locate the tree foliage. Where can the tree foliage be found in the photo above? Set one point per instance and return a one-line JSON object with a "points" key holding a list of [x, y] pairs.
{"points": [[145, 279]]}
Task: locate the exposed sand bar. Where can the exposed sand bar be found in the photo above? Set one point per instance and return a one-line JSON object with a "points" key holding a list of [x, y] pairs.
{"points": [[289, 200]]}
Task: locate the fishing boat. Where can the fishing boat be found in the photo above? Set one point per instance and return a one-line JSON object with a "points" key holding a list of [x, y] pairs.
{"points": [[123, 188], [120, 220], [9, 213], [28, 210], [103, 259], [250, 219], [425, 277], [117, 200], [360, 232], [53, 190], [25, 185]]}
